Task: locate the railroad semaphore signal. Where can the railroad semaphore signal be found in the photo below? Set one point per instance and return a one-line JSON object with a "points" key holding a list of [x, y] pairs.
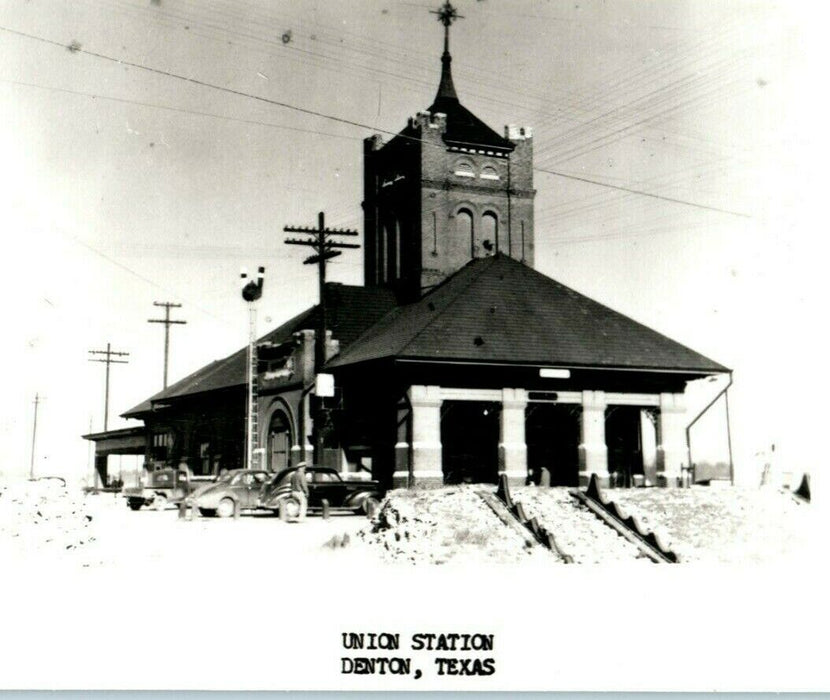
{"points": [[251, 293]]}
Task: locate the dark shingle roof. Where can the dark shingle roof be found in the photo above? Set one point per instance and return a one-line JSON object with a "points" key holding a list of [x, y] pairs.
{"points": [[351, 310], [465, 129], [497, 309]]}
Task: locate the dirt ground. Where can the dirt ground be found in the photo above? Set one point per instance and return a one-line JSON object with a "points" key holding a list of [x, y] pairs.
{"points": [[43, 524]]}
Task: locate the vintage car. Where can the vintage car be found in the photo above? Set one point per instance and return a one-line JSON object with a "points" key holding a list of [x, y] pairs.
{"points": [[238, 488], [162, 485], [357, 495]]}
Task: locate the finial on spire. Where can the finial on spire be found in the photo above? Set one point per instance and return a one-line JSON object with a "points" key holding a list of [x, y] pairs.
{"points": [[447, 14]]}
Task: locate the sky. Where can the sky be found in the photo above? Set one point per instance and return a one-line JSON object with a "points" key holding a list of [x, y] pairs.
{"points": [[150, 148]]}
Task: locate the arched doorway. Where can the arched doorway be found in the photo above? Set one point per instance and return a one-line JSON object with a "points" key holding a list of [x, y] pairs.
{"points": [[279, 442]]}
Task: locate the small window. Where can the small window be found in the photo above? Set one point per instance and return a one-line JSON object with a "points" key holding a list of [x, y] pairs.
{"points": [[489, 173], [464, 168]]}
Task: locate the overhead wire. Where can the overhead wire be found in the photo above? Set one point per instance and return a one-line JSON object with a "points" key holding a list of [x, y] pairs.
{"points": [[317, 113]]}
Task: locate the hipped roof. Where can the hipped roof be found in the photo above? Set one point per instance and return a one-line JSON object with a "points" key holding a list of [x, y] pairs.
{"points": [[498, 310]]}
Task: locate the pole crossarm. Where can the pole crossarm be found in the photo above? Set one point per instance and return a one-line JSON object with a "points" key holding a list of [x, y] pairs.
{"points": [[167, 321], [109, 354]]}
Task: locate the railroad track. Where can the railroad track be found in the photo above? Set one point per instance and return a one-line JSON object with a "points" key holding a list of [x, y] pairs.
{"points": [[626, 525], [616, 536]]}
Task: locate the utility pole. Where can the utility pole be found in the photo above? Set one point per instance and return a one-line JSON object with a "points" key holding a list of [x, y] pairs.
{"points": [[324, 249], [109, 354], [37, 401], [167, 322]]}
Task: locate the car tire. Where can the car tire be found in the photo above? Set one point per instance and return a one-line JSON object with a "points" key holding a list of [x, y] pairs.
{"points": [[135, 503], [225, 508], [207, 512], [370, 506], [160, 501], [289, 509]]}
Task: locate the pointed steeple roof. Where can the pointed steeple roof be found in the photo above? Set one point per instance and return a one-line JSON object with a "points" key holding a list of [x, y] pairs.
{"points": [[446, 89], [464, 129]]}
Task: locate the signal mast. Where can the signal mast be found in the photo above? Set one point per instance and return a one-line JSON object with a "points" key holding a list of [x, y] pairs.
{"points": [[251, 293]]}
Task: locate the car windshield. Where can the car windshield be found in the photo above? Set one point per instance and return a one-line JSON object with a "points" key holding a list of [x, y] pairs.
{"points": [[225, 478]]}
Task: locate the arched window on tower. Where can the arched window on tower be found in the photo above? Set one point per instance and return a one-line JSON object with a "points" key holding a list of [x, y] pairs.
{"points": [[464, 168], [464, 228], [489, 233], [397, 249], [383, 254]]}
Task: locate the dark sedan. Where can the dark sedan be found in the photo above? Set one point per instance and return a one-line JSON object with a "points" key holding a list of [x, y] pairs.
{"points": [[357, 495]]}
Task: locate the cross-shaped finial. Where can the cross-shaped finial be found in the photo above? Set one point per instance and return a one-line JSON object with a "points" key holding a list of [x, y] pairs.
{"points": [[447, 14]]}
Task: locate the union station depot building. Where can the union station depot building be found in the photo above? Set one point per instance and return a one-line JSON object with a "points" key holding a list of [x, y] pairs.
{"points": [[456, 361]]}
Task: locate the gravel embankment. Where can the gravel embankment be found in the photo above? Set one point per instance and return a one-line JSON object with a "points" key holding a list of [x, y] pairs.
{"points": [[45, 524], [577, 530], [37, 516], [446, 525], [729, 524]]}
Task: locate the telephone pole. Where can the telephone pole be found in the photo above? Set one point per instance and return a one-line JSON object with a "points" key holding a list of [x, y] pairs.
{"points": [[37, 401], [167, 323], [109, 354], [325, 248]]}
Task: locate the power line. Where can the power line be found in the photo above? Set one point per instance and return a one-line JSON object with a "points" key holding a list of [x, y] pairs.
{"points": [[123, 100], [645, 194], [303, 110]]}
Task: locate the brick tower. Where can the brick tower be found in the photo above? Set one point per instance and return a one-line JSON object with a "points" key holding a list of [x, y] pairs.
{"points": [[444, 190]]}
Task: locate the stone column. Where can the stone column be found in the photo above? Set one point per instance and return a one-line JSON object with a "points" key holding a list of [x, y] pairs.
{"points": [[402, 475], [426, 433], [512, 446], [672, 455], [593, 453]]}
